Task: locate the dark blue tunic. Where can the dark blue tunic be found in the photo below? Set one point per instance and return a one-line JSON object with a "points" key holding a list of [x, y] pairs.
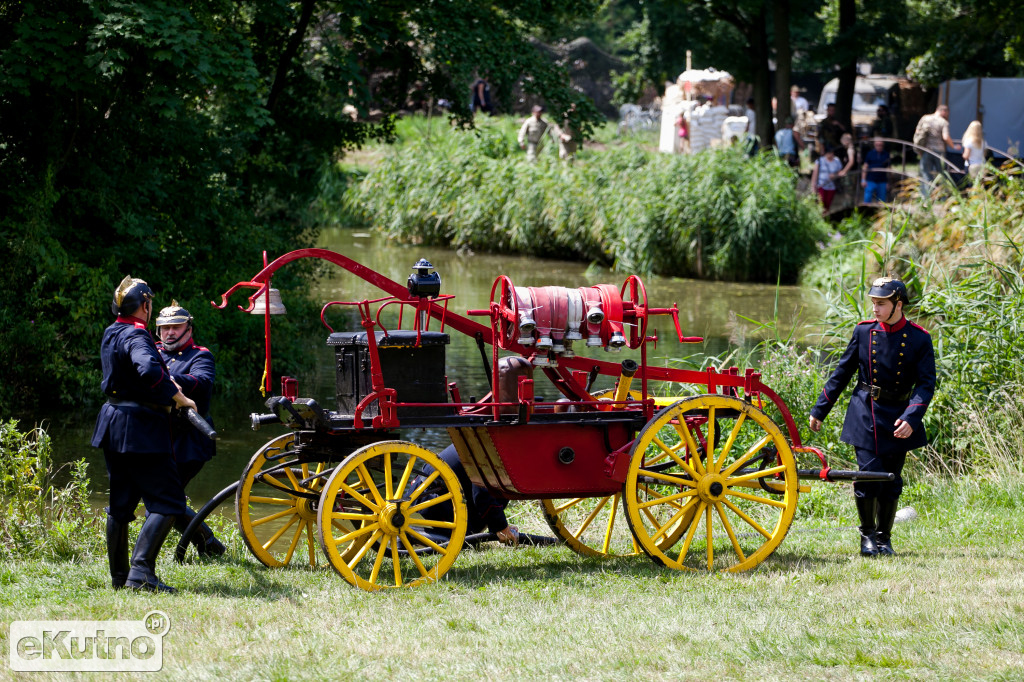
{"points": [[192, 366], [900, 360], [134, 427]]}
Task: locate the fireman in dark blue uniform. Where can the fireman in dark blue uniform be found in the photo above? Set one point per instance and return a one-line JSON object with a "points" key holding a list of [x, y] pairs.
{"points": [[894, 362], [192, 368], [134, 430]]}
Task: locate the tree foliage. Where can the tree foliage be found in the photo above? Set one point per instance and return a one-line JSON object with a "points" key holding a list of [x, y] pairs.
{"points": [[177, 141]]}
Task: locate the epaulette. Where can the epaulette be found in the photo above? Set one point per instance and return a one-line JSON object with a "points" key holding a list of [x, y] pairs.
{"points": [[198, 347], [867, 322], [917, 326]]}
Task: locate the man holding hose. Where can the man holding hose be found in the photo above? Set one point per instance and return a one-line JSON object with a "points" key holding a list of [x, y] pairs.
{"points": [[134, 430]]}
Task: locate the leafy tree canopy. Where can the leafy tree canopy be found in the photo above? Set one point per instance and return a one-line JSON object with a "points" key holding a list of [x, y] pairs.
{"points": [[176, 141]]}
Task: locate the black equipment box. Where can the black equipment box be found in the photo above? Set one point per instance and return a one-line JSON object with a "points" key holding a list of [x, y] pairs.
{"points": [[415, 372]]}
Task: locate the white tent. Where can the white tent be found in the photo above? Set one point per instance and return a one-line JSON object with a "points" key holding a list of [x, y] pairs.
{"points": [[997, 102]]}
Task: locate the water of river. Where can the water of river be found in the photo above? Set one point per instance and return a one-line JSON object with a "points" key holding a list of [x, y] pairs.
{"points": [[709, 309]]}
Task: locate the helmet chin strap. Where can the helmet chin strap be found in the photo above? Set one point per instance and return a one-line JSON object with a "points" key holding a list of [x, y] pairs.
{"points": [[889, 320]]}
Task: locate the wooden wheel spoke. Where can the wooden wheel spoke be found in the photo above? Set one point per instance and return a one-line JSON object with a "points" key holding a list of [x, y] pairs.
{"points": [[430, 523], [429, 503], [359, 497], [406, 475], [730, 441], [667, 498], [427, 482], [354, 561], [358, 532], [395, 563], [255, 499], [761, 473], [709, 445], [367, 480], [311, 543], [382, 549], [743, 515], [389, 491], [273, 517], [294, 543], [654, 493], [423, 539], [277, 536], [756, 448], [711, 544], [412, 555], [754, 498], [677, 459], [352, 516], [611, 524], [291, 478], [683, 430], [675, 518], [273, 482], [590, 517], [729, 531], [570, 504], [693, 530], [668, 478]]}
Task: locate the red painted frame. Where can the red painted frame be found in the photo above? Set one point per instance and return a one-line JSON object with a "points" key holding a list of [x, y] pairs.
{"points": [[568, 377]]}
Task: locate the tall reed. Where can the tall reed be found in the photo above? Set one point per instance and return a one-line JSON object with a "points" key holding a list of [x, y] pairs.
{"points": [[714, 215]]}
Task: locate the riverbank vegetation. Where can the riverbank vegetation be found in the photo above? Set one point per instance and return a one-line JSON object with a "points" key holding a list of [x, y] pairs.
{"points": [[716, 215]]}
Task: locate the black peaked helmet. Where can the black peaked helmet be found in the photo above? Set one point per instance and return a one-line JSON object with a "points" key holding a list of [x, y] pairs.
{"points": [[129, 295], [889, 287], [174, 314]]}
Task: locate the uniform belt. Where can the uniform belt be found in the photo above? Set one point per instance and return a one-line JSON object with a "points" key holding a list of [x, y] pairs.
{"points": [[878, 393], [133, 403]]}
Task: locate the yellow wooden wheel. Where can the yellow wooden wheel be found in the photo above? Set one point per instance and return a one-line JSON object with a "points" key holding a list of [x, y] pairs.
{"points": [[717, 464], [392, 515], [276, 504], [597, 526]]}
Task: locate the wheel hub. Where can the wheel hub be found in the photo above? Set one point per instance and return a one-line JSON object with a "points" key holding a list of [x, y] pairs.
{"points": [[306, 509], [392, 519], [711, 488]]}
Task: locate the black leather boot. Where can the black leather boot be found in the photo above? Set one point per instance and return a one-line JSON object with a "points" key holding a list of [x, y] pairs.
{"points": [[117, 551], [205, 542], [142, 575], [886, 516], [866, 512]]}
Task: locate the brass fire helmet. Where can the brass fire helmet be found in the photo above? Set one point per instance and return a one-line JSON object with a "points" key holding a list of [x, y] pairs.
{"points": [[129, 295], [889, 287], [174, 314]]}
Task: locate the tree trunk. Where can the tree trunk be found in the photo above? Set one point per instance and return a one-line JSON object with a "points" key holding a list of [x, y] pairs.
{"points": [[848, 67], [783, 59], [762, 76]]}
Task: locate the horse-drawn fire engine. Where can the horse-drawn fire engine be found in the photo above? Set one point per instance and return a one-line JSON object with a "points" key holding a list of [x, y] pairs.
{"points": [[707, 480]]}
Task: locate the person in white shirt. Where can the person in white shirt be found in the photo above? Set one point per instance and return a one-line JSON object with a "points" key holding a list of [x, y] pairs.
{"points": [[974, 149]]}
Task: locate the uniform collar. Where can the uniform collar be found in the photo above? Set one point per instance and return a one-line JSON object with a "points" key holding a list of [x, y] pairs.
{"points": [[131, 319], [894, 327]]}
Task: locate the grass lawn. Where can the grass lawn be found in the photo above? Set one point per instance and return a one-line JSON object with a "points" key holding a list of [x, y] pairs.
{"points": [[949, 607]]}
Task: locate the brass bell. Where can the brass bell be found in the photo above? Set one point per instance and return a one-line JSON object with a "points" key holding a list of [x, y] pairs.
{"points": [[276, 305]]}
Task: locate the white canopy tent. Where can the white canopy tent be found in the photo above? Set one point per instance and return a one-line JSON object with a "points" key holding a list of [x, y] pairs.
{"points": [[997, 102]]}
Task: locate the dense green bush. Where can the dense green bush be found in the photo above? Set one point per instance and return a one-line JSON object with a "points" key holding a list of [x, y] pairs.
{"points": [[714, 215]]}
